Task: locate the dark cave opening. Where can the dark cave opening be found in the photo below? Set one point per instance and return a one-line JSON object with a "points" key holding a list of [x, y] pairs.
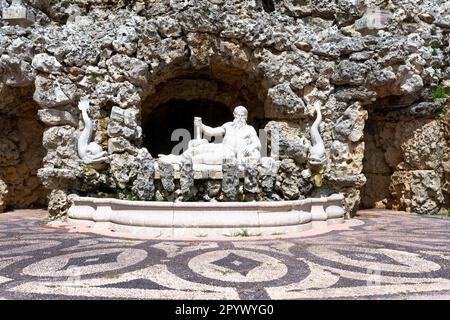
{"points": [[160, 124]]}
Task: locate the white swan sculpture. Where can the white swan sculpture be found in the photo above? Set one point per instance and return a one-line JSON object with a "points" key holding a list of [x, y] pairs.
{"points": [[89, 152], [317, 155]]}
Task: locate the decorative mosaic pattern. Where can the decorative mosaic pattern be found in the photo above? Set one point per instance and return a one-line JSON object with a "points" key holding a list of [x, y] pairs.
{"points": [[391, 256]]}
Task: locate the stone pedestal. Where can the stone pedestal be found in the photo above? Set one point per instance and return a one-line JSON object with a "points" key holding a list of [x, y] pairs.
{"points": [[17, 13], [199, 219]]}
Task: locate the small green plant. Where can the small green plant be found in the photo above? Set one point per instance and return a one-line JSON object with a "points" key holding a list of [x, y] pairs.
{"points": [[439, 115], [245, 233], [129, 195], [335, 65], [445, 213], [201, 235], [440, 92], [159, 197], [242, 233], [94, 76], [85, 168], [300, 134]]}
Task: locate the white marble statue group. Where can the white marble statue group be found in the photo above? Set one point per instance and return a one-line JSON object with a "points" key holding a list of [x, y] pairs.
{"points": [[240, 142]]}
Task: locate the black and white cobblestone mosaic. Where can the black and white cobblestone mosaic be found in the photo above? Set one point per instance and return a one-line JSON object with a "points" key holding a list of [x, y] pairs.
{"points": [[391, 256]]}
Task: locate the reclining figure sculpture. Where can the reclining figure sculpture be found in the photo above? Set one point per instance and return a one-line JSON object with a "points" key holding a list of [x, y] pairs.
{"points": [[240, 141]]}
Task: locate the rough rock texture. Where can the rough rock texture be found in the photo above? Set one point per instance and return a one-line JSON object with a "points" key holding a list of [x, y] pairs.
{"points": [[289, 179], [21, 152], [416, 191], [58, 203], [251, 177], [268, 170], [143, 186], [405, 165], [230, 181], [186, 176], [379, 64], [122, 168], [288, 141], [349, 127], [167, 176]]}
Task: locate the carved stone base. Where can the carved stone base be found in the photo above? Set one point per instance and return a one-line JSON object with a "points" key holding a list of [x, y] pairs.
{"points": [[153, 218]]}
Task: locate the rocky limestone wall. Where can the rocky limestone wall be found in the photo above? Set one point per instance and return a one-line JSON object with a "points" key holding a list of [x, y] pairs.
{"points": [[21, 150], [358, 58], [406, 162]]}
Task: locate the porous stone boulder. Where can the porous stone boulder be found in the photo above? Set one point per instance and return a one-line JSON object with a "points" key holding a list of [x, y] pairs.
{"points": [[290, 179], [122, 166], [423, 146], [251, 176], [167, 174], [417, 191], [45, 63], [350, 125], [230, 180], [61, 145], [124, 123], [214, 187], [51, 94], [186, 175], [347, 157], [58, 203], [284, 103], [54, 178], [120, 145], [15, 71], [143, 172], [122, 67], [123, 94], [268, 170], [288, 141], [53, 117], [126, 40]]}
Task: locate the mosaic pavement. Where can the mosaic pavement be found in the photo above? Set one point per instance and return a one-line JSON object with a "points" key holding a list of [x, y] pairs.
{"points": [[391, 256]]}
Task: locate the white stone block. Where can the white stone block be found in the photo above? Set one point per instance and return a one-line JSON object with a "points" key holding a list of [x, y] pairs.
{"points": [[17, 13]]}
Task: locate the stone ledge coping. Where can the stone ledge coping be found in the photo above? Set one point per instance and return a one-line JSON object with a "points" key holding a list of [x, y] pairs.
{"points": [[154, 218]]}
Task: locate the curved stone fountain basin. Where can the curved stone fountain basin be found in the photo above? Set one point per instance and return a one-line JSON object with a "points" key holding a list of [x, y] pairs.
{"points": [[202, 219]]}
